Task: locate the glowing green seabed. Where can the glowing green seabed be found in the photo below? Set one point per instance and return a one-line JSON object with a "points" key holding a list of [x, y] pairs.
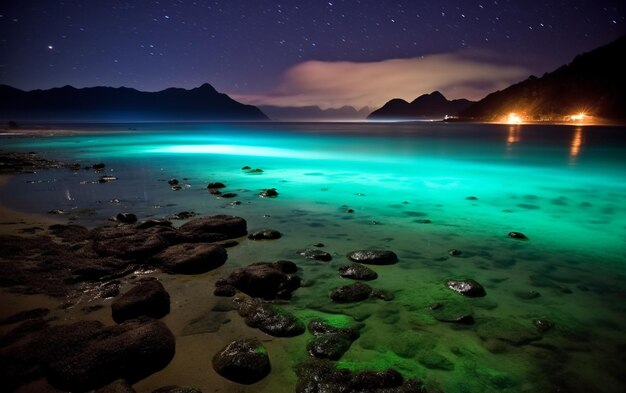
{"points": [[408, 187]]}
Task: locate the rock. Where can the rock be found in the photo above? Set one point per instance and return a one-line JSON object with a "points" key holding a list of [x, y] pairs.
{"points": [[69, 233], [214, 191], [215, 228], [184, 215], [224, 290], [34, 313], [382, 294], [268, 193], [330, 342], [322, 376], [454, 252], [270, 318], [177, 389], [471, 198], [129, 242], [373, 257], [255, 171], [98, 167], [147, 298], [126, 218], [56, 211], [317, 255], [243, 361], [469, 288], [543, 325], [265, 234], [216, 185], [173, 182], [86, 355], [228, 195], [351, 293], [118, 386], [154, 223], [191, 258], [356, 271], [266, 280], [508, 331], [436, 361], [517, 235]]}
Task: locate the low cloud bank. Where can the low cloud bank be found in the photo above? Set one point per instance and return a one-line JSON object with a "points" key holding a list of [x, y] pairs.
{"points": [[469, 74]]}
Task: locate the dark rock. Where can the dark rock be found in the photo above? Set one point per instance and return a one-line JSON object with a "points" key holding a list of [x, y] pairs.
{"points": [[322, 376], [216, 185], [266, 280], [129, 242], [373, 257], [25, 315], [184, 215], [24, 329], [382, 295], [265, 234], [351, 293], [268, 193], [423, 221], [454, 252], [270, 318], [177, 389], [356, 271], [214, 191], [471, 198], [86, 355], [110, 289], [243, 361], [469, 288], [98, 167], [317, 255], [517, 235], [245, 168], [148, 298], [126, 218], [286, 267], [330, 342], [543, 325], [318, 245], [172, 182], [215, 228], [56, 211], [228, 195], [225, 290], [154, 223], [191, 258], [453, 311]]}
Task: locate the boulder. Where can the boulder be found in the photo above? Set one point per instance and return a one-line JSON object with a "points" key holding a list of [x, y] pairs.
{"points": [[268, 193], [243, 361], [191, 258], [216, 185], [356, 271], [373, 257], [147, 298], [126, 218], [469, 287], [215, 228], [517, 235], [330, 342], [87, 355], [351, 293], [270, 318], [266, 280], [265, 234], [127, 242]]}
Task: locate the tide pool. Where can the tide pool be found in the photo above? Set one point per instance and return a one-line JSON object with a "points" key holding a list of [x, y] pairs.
{"points": [[420, 190]]}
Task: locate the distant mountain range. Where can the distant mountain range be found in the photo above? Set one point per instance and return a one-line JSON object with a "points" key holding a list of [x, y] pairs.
{"points": [[123, 104], [593, 83], [314, 113], [426, 106]]}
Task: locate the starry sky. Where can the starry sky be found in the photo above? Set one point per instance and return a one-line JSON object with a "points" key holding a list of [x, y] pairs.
{"points": [[292, 53]]}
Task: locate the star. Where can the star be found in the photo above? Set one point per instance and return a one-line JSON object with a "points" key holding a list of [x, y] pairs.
{"points": [[50, 47]]}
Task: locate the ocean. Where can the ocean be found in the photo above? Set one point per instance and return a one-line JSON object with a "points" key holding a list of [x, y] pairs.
{"points": [[419, 189]]}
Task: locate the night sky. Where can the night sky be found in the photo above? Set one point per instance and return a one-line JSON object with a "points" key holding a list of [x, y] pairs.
{"points": [[327, 53]]}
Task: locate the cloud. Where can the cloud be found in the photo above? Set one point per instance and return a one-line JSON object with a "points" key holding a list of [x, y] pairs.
{"points": [[468, 74]]}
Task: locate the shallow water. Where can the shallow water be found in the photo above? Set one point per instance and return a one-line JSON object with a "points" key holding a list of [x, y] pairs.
{"points": [[408, 186]]}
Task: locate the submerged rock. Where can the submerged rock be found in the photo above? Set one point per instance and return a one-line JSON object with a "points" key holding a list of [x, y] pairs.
{"points": [[265, 234], [216, 185], [543, 325], [373, 257], [330, 342], [270, 318], [191, 258], [148, 298], [351, 293], [266, 280], [517, 235], [453, 312], [314, 254], [356, 271], [469, 288], [243, 361], [527, 295], [268, 193], [508, 331]]}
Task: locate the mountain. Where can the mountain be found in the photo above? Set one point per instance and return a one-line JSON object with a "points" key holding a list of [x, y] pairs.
{"points": [[123, 104], [304, 113], [593, 83], [433, 105]]}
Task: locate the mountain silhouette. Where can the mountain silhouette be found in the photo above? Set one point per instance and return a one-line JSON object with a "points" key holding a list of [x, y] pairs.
{"points": [[288, 113], [123, 104], [593, 83], [426, 106]]}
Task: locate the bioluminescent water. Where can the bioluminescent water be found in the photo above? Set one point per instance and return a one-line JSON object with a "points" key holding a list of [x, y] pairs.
{"points": [[554, 312]]}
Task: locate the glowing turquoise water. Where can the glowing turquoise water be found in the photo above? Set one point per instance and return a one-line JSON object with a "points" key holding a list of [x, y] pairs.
{"points": [[408, 186]]}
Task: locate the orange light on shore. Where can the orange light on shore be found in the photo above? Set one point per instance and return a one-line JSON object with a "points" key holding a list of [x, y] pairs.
{"points": [[513, 118], [578, 117]]}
